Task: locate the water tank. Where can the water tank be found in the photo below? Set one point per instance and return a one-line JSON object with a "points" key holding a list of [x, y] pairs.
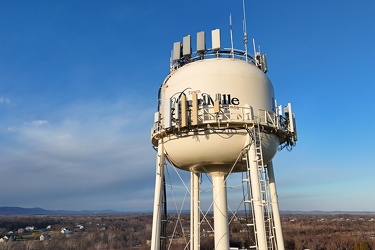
{"points": [[213, 139]]}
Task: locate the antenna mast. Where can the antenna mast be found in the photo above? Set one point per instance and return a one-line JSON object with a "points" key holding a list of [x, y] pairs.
{"points": [[244, 28], [231, 34]]}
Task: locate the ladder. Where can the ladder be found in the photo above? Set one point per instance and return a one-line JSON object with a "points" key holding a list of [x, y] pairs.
{"points": [[249, 206], [255, 133]]}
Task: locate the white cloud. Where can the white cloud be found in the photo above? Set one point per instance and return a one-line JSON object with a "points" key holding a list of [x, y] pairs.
{"points": [[38, 123], [10, 129], [4, 100]]}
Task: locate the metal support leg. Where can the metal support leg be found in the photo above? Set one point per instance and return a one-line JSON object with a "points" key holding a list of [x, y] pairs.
{"points": [[275, 207], [156, 221]]}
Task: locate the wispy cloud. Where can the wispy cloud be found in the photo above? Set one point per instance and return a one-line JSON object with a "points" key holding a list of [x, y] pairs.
{"points": [[38, 123], [4, 100], [96, 150]]}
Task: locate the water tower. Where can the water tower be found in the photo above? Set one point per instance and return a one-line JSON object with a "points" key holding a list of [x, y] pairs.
{"points": [[217, 114]]}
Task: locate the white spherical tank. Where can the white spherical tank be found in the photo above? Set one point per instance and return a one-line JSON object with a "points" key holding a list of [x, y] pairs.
{"points": [[217, 138]]}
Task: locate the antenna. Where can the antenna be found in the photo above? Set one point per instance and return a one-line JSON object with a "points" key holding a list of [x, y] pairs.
{"points": [[231, 34], [244, 28], [255, 51]]}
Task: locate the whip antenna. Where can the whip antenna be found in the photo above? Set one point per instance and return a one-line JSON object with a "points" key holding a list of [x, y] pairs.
{"points": [[231, 34], [244, 28]]}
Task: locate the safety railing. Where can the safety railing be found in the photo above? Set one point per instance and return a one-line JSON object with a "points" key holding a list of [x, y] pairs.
{"points": [[227, 116], [223, 53]]}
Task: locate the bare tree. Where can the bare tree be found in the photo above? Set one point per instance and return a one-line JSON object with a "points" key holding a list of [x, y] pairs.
{"points": [[29, 245], [6, 245], [100, 246], [111, 238]]}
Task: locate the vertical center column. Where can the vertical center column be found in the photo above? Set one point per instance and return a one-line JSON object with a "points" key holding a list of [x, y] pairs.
{"points": [[220, 211], [194, 212]]}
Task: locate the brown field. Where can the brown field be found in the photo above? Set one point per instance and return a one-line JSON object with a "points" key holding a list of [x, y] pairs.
{"points": [[133, 231]]}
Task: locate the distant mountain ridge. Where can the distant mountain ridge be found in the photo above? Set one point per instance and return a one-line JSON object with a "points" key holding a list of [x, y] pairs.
{"points": [[40, 211], [319, 212]]}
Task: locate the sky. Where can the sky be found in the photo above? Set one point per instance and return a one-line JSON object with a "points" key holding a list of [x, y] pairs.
{"points": [[79, 83]]}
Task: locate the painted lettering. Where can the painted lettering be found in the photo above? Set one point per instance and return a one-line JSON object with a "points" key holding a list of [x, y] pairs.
{"points": [[235, 101], [194, 92], [225, 99], [208, 100]]}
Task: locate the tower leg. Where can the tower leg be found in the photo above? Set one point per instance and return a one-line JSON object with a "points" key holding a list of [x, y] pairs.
{"points": [[257, 199], [156, 221], [275, 207], [220, 211], [194, 212]]}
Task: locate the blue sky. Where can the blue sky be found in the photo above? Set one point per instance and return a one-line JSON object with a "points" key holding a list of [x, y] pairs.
{"points": [[79, 82]]}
